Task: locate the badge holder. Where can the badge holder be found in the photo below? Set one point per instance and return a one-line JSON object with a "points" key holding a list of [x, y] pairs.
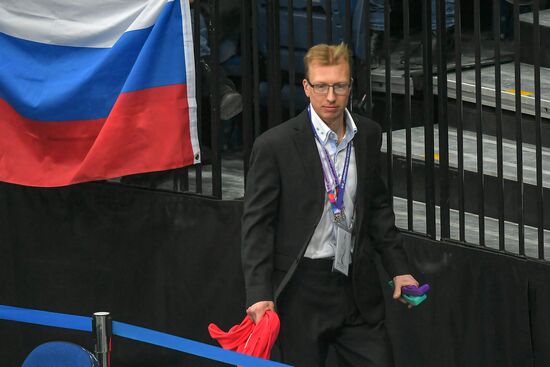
{"points": [[342, 255]]}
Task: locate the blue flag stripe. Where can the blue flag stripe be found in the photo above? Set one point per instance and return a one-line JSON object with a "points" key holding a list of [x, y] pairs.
{"points": [[61, 83]]}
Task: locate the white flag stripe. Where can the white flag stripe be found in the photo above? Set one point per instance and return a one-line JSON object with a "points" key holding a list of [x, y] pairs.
{"points": [[80, 23]]}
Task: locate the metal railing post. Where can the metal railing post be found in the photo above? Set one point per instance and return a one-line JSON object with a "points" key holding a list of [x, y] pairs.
{"points": [[368, 78], [198, 88], [427, 73], [102, 330], [443, 120], [498, 117], [538, 127], [519, 132], [388, 117], [479, 123], [407, 112], [460, 121]]}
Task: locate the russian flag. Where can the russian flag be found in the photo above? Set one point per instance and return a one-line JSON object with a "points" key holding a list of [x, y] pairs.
{"points": [[94, 90]]}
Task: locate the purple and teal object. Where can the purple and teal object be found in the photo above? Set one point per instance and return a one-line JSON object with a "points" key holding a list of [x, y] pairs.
{"points": [[412, 294]]}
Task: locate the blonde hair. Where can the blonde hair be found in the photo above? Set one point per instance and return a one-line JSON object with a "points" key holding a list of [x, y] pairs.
{"points": [[327, 55]]}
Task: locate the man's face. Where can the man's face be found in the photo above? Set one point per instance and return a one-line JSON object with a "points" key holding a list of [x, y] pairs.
{"points": [[329, 106]]}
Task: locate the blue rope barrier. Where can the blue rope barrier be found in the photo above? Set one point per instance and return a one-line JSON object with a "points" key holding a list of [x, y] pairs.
{"points": [[189, 346], [45, 318], [137, 333]]}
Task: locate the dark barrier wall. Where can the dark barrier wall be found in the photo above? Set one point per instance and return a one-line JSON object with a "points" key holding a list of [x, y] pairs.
{"points": [[164, 261], [482, 310], [171, 262]]}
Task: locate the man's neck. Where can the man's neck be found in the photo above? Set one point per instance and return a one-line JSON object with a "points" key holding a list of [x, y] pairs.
{"points": [[338, 126]]}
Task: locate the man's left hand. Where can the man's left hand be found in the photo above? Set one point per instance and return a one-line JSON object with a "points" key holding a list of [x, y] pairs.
{"points": [[401, 281]]}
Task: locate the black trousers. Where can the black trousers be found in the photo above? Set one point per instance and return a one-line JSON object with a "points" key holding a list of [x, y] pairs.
{"points": [[317, 309]]}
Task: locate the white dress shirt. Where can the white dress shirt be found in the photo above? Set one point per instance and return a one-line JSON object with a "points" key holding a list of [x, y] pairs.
{"points": [[323, 241]]}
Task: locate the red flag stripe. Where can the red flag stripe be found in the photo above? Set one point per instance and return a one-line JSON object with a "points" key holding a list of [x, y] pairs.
{"points": [[147, 130]]}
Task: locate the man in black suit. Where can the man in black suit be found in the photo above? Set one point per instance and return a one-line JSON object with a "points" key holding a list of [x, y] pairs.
{"points": [[316, 210]]}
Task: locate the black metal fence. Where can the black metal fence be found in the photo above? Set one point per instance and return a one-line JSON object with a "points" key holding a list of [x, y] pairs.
{"points": [[459, 95]]}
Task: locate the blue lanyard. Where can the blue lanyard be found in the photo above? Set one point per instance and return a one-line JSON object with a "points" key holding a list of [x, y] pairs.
{"points": [[335, 191]]}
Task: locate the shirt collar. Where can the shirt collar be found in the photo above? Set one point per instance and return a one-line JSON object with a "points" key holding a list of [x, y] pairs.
{"points": [[325, 133]]}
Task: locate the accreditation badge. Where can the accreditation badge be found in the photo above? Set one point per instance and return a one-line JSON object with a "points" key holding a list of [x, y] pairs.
{"points": [[342, 254]]}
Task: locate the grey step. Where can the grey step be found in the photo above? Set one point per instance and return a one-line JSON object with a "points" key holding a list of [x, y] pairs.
{"points": [[397, 78], [511, 240], [470, 153], [508, 88]]}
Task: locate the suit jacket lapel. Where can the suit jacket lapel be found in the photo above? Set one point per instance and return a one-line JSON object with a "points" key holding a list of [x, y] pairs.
{"points": [[309, 156]]}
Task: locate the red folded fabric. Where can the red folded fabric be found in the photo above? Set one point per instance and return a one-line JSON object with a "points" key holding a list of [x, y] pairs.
{"points": [[249, 338]]}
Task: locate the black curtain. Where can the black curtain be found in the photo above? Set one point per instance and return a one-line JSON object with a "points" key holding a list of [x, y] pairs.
{"points": [[160, 260]]}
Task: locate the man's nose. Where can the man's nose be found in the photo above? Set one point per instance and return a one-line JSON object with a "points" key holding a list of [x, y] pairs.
{"points": [[331, 96]]}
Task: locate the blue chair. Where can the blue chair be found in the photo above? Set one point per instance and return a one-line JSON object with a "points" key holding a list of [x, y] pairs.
{"points": [[60, 354]]}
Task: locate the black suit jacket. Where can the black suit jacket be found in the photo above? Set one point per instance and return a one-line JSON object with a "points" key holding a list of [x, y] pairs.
{"points": [[284, 201]]}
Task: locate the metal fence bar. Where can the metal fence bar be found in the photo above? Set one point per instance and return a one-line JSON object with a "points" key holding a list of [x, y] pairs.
{"points": [[538, 123], [459, 120], [479, 124], [180, 181], [428, 117], [347, 17], [388, 112], [328, 23], [444, 193], [198, 88], [215, 122], [246, 82], [256, 71], [291, 56], [277, 65], [368, 61], [407, 112], [274, 64], [198, 178], [498, 118], [309, 24], [347, 22], [271, 14], [519, 133]]}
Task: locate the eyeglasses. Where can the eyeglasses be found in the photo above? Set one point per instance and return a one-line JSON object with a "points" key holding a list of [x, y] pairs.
{"points": [[340, 89]]}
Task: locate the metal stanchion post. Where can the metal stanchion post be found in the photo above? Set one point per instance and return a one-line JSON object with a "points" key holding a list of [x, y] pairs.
{"points": [[103, 332]]}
